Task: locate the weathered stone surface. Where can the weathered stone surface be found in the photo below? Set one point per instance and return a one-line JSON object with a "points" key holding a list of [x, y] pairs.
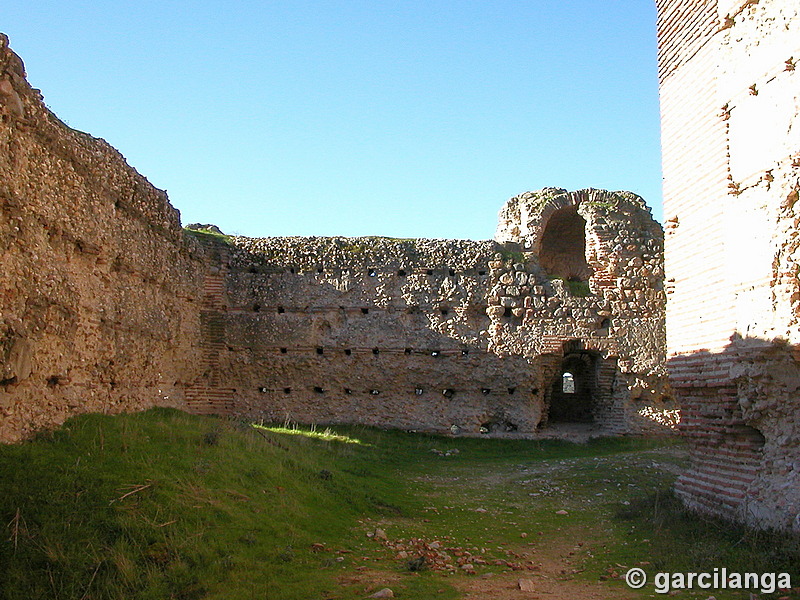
{"points": [[731, 136], [108, 305], [434, 334], [97, 281]]}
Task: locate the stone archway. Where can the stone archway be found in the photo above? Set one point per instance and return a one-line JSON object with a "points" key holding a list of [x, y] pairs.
{"points": [[572, 395]]}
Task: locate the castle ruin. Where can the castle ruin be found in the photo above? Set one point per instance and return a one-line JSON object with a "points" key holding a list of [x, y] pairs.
{"points": [[108, 305]]}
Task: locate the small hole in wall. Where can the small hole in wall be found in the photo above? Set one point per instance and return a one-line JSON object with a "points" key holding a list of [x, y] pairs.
{"points": [[320, 351], [52, 381], [256, 308], [291, 270], [535, 391], [374, 392], [253, 270], [348, 391], [407, 351], [465, 353], [348, 352], [284, 350], [511, 390], [287, 390], [376, 351], [419, 391], [434, 353], [444, 311], [428, 271], [448, 393], [481, 273], [372, 273], [401, 273], [451, 272], [486, 391], [320, 270], [281, 310], [507, 312], [319, 390], [364, 311], [605, 324]]}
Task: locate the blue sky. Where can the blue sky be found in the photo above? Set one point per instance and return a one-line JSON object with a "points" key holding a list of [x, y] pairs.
{"points": [[405, 119]]}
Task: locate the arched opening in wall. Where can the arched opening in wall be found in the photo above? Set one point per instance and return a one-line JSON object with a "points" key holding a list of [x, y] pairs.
{"points": [[573, 390], [563, 248]]}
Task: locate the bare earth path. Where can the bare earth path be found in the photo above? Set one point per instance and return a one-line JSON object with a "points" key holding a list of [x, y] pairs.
{"points": [[538, 529]]}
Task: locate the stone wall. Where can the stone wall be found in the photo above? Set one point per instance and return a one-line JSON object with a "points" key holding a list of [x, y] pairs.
{"points": [[107, 305], [731, 147], [431, 334], [98, 287]]}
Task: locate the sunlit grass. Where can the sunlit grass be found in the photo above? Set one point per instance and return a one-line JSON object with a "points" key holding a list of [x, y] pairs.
{"points": [[326, 434]]}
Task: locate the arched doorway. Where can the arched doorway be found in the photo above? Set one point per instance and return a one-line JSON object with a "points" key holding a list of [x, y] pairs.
{"points": [[572, 393]]}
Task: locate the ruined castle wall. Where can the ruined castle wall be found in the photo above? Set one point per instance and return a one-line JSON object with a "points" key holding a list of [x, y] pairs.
{"points": [[426, 334], [97, 284], [108, 305], [620, 313], [731, 145], [370, 330]]}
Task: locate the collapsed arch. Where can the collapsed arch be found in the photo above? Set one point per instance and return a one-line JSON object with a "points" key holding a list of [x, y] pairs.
{"points": [[563, 247]]}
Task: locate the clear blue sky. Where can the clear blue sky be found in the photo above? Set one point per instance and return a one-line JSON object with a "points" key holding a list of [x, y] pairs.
{"points": [[406, 119]]}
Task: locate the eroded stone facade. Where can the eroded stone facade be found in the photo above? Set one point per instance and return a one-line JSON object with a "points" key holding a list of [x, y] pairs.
{"points": [[98, 285], [107, 305], [443, 334], [730, 105]]}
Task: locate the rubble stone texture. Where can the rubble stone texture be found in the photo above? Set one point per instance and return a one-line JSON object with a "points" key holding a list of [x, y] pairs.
{"points": [[730, 107], [107, 305], [448, 335], [98, 286]]}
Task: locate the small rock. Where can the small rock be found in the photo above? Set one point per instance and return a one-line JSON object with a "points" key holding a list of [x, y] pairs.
{"points": [[380, 534], [561, 512], [523, 535], [481, 510], [526, 585], [384, 593]]}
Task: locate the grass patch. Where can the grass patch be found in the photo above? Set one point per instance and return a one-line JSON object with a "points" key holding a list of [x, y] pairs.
{"points": [[208, 235], [162, 504]]}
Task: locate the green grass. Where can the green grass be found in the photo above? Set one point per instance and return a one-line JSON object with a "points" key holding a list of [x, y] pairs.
{"points": [[207, 234], [162, 504]]}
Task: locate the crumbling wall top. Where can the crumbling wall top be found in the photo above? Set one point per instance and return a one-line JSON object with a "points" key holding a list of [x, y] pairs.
{"points": [[523, 218], [342, 253]]}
